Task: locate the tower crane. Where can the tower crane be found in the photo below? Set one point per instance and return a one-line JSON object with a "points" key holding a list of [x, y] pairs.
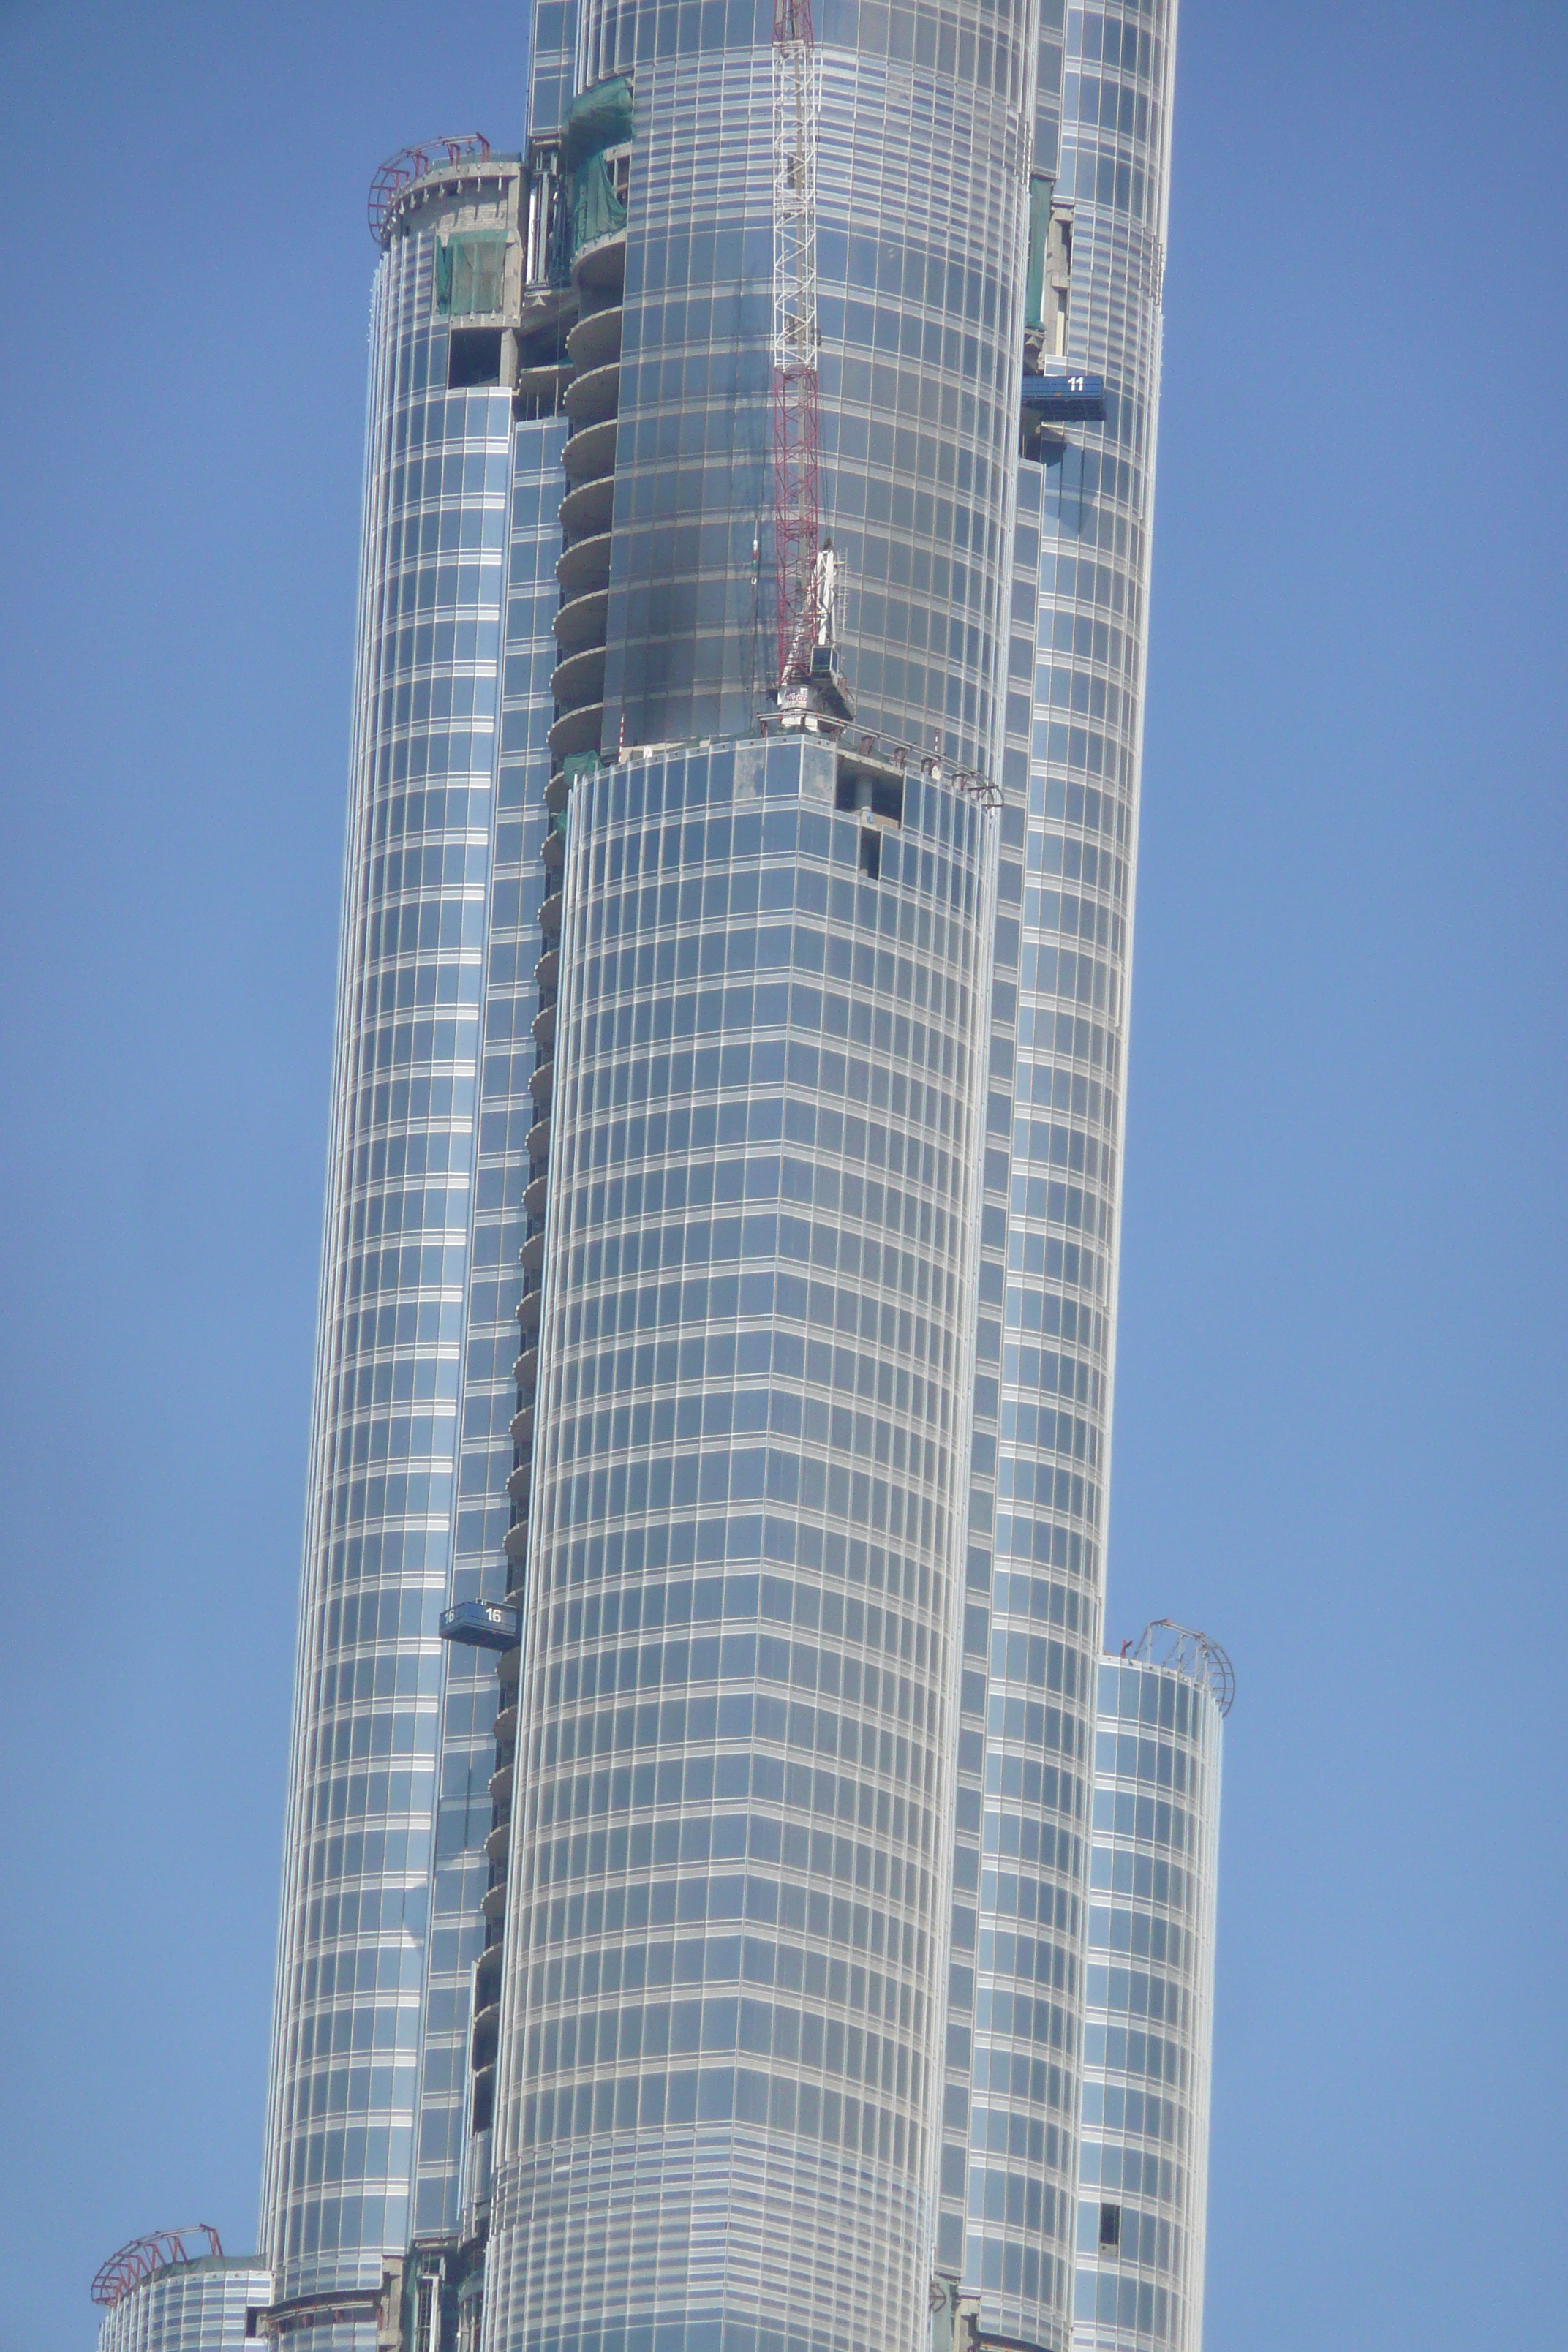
{"points": [[806, 566]]}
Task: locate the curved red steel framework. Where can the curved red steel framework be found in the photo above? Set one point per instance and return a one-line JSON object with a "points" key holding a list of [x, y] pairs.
{"points": [[412, 163], [142, 2257]]}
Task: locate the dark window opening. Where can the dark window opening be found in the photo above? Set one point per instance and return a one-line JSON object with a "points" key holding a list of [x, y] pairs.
{"points": [[473, 356], [537, 394], [1109, 2228], [1038, 445], [861, 786], [871, 854]]}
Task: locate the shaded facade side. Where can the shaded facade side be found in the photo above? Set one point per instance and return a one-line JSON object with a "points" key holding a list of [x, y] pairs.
{"points": [[506, 1115]]}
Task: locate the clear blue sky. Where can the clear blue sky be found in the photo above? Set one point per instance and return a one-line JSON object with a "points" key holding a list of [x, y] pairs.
{"points": [[1340, 1432]]}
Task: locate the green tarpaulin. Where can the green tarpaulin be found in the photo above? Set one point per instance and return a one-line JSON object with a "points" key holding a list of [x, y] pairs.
{"points": [[596, 210], [599, 120], [471, 273]]}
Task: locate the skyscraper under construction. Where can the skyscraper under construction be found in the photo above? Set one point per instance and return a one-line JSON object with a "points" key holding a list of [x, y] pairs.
{"points": [[688, 1936]]}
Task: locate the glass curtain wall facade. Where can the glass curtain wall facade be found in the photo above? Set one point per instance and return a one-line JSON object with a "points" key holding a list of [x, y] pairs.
{"points": [[506, 1114], [208, 2305], [1070, 767], [1148, 2011], [720, 2026], [397, 1256], [923, 131], [566, 642]]}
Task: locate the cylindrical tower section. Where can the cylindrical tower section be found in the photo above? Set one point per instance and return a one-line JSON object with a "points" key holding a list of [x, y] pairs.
{"points": [[395, 1253], [466, 1900], [920, 128], [207, 2305], [1149, 1999], [1071, 770], [729, 1890]]}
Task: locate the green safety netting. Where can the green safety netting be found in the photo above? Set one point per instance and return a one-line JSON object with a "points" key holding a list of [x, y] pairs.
{"points": [[1040, 190], [596, 210], [470, 271], [600, 119]]}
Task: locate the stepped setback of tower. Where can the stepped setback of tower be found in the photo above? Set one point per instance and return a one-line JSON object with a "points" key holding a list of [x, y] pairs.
{"points": [[694, 1946]]}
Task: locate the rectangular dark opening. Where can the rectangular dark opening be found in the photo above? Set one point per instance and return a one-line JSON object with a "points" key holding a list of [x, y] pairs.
{"points": [[473, 356], [1109, 2228], [1038, 445], [871, 854], [860, 785]]}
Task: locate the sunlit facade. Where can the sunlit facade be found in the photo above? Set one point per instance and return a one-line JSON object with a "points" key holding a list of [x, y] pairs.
{"points": [[1149, 2008], [731, 1896], [1070, 764], [721, 1262], [210, 2304], [401, 1239]]}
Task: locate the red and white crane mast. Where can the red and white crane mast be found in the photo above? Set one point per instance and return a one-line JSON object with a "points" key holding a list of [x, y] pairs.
{"points": [[797, 553]]}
